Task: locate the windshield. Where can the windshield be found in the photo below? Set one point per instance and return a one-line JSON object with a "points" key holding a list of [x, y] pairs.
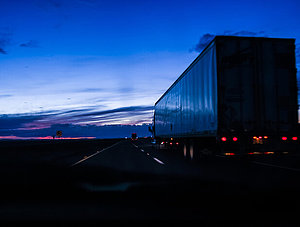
{"points": [[149, 111]]}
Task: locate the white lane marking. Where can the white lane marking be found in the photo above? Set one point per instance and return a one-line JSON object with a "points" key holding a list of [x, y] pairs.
{"points": [[85, 158], [281, 167], [160, 162], [157, 160]]}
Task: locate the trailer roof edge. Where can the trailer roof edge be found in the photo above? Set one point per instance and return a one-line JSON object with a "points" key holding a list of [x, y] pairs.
{"points": [[203, 51]]}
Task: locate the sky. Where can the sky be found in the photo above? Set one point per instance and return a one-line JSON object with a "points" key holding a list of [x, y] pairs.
{"points": [[92, 67]]}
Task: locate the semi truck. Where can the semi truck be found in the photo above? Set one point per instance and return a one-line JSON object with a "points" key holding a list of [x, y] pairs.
{"points": [[238, 97]]}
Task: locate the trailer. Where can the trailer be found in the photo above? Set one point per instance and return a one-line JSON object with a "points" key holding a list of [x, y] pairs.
{"points": [[239, 96]]}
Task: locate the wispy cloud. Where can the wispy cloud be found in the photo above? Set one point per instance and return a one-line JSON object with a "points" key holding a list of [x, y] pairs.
{"points": [[5, 96], [118, 90], [55, 3], [90, 90], [5, 39], [48, 4], [2, 51], [203, 42], [114, 123], [245, 33], [30, 44], [127, 110], [14, 121], [124, 115], [208, 37]]}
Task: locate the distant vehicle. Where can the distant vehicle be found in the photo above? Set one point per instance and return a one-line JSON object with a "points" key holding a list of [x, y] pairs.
{"points": [[239, 96], [134, 136]]}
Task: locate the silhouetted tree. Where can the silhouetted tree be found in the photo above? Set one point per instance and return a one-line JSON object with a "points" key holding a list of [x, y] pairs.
{"points": [[59, 133]]}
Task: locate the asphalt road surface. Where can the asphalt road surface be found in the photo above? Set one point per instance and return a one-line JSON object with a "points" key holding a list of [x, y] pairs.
{"points": [[124, 180]]}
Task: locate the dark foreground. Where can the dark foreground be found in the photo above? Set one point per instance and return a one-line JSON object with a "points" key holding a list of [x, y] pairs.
{"points": [[113, 181]]}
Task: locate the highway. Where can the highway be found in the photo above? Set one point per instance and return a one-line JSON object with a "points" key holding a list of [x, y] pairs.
{"points": [[133, 181], [142, 157]]}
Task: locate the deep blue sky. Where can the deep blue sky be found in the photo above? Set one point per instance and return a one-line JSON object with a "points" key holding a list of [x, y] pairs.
{"points": [[93, 62]]}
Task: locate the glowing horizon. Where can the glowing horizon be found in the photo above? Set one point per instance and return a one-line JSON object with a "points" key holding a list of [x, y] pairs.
{"points": [[42, 138]]}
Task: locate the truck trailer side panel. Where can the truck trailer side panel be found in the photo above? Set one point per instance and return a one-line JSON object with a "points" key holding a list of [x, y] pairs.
{"points": [[189, 107]]}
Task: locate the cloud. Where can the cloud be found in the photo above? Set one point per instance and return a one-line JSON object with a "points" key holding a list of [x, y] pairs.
{"points": [[2, 51], [244, 33], [14, 121], [123, 115], [207, 38], [203, 42], [118, 90], [30, 44], [5, 39], [89, 116], [76, 111], [5, 96], [90, 90], [73, 123], [48, 4], [125, 90], [55, 3], [130, 109]]}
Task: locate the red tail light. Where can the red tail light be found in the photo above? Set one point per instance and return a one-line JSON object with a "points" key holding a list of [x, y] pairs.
{"points": [[295, 138], [171, 143], [234, 138], [177, 143], [223, 139], [229, 153], [284, 138]]}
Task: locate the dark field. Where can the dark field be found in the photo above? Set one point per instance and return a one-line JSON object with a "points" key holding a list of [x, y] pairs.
{"points": [[131, 181], [28, 166]]}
